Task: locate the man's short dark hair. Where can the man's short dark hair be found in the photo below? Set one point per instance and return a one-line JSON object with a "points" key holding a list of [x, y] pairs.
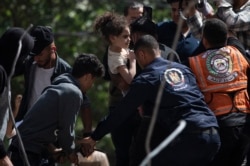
{"points": [[147, 42], [87, 64], [215, 32]]}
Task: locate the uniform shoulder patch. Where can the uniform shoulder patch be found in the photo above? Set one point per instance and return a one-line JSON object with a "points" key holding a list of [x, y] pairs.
{"points": [[175, 77]]}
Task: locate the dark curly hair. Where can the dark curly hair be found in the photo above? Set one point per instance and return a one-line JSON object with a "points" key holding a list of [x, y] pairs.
{"points": [[87, 64], [110, 24]]}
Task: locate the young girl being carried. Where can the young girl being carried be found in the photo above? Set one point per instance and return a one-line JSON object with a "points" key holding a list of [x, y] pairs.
{"points": [[121, 60]]}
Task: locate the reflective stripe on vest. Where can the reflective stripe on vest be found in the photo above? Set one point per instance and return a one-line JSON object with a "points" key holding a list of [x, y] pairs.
{"points": [[223, 103]]}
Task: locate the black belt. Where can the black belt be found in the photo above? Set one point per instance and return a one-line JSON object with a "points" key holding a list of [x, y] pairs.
{"points": [[209, 130]]}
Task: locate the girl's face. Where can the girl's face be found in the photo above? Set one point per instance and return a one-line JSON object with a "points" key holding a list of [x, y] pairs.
{"points": [[122, 40]]}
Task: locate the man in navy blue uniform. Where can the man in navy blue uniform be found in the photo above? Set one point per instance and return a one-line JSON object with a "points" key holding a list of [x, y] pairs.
{"points": [[181, 100]]}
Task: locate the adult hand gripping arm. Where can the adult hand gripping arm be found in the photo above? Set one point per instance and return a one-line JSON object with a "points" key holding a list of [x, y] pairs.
{"points": [[87, 146]]}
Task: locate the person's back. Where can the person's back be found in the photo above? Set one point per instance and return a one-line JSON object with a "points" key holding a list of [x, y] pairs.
{"points": [[221, 73], [64, 90]]}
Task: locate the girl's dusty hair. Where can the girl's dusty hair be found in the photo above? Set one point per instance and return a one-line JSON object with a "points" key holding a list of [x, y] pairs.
{"points": [[110, 24]]}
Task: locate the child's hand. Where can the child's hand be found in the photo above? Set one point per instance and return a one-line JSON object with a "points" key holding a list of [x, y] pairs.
{"points": [[131, 55]]}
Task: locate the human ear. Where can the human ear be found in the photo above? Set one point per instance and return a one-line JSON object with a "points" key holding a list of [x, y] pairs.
{"points": [[112, 38]]}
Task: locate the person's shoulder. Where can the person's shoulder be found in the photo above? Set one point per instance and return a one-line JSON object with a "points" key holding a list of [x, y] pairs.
{"points": [[165, 23], [62, 61], [167, 52], [164, 27], [191, 36], [191, 42], [154, 67], [180, 66], [237, 51], [66, 83], [65, 79]]}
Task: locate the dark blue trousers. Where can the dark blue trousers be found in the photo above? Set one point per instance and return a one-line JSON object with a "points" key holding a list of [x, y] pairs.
{"points": [[188, 149]]}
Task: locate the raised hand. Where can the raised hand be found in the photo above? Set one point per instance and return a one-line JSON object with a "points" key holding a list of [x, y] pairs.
{"points": [[205, 8], [57, 153]]}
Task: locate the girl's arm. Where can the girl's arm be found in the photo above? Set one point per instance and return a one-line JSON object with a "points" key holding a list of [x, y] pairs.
{"points": [[128, 74]]}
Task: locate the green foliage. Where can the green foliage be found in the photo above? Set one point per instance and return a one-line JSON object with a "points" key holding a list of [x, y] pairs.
{"points": [[71, 21]]}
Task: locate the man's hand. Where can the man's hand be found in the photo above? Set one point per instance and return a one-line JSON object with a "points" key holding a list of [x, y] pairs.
{"points": [[57, 153], [5, 161], [87, 146], [73, 158]]}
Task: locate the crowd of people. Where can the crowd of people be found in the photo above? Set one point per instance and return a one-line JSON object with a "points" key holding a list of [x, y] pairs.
{"points": [[203, 81]]}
